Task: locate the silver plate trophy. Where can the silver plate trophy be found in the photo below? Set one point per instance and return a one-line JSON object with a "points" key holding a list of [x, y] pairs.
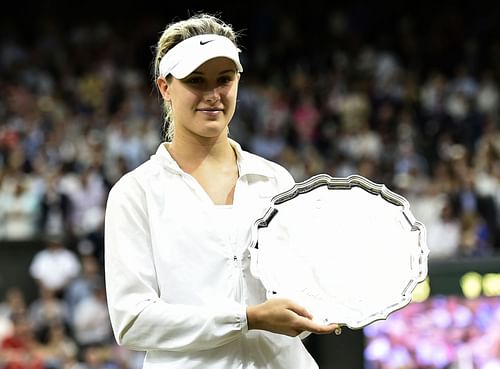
{"points": [[347, 249]]}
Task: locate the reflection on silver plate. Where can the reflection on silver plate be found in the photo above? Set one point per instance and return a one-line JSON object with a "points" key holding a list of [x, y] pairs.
{"points": [[347, 249]]}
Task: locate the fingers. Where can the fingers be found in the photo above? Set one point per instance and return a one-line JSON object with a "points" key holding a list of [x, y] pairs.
{"points": [[306, 323], [313, 327], [284, 316], [299, 310]]}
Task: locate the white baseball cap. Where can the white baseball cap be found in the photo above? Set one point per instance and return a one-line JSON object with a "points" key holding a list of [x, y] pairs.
{"points": [[189, 54]]}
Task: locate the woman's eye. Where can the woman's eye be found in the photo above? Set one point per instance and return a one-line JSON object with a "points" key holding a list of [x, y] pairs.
{"points": [[195, 80], [225, 80]]}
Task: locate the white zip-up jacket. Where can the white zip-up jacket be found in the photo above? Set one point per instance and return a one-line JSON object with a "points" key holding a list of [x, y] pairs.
{"points": [[177, 268]]}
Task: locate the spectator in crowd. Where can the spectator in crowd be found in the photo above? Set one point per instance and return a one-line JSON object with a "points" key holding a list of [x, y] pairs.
{"points": [[90, 321], [444, 234], [20, 210], [55, 207], [82, 286], [46, 310], [14, 304], [20, 349], [55, 266], [88, 195], [58, 350]]}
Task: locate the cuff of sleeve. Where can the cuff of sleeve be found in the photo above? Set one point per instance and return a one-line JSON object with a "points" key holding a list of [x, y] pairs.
{"points": [[304, 335], [242, 317]]}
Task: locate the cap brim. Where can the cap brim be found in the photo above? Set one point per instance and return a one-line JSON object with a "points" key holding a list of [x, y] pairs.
{"points": [[190, 54]]}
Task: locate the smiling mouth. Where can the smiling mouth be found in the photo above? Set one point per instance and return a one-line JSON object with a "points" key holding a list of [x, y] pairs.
{"points": [[210, 110]]}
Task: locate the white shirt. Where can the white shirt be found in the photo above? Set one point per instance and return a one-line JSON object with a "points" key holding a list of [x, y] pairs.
{"points": [[443, 239], [178, 277], [55, 268]]}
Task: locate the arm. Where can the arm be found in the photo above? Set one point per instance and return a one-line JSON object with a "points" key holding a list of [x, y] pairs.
{"points": [[140, 318]]}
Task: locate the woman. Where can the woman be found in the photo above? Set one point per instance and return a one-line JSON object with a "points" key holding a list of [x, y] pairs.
{"points": [[178, 227]]}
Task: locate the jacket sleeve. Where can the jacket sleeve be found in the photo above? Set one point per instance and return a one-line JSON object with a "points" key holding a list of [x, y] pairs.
{"points": [[141, 320]]}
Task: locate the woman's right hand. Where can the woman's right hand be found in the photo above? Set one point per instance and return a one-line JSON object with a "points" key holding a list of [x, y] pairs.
{"points": [[283, 316]]}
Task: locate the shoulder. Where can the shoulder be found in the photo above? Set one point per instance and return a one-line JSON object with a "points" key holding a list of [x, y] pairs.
{"points": [[40, 255], [257, 165], [132, 184]]}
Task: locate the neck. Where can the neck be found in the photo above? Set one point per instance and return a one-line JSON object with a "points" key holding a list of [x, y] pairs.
{"points": [[191, 152]]}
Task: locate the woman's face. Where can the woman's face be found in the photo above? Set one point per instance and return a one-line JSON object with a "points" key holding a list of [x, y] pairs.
{"points": [[204, 102]]}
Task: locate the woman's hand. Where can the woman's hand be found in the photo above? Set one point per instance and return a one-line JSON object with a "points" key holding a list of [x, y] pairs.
{"points": [[283, 316]]}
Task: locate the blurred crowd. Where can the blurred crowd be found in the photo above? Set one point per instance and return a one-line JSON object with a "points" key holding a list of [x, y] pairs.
{"points": [[417, 111], [439, 333], [67, 325]]}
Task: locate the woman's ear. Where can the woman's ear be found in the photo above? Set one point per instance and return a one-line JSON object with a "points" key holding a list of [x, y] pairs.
{"points": [[162, 84]]}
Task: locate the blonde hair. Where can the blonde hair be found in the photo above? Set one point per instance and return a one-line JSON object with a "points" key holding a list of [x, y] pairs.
{"points": [[175, 32]]}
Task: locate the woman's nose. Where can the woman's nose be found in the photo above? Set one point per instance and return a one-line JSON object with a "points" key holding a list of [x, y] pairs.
{"points": [[212, 95]]}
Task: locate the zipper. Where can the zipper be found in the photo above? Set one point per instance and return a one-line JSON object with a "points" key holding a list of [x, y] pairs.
{"points": [[240, 285]]}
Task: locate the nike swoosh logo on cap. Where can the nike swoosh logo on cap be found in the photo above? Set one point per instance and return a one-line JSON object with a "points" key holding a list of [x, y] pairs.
{"points": [[205, 42]]}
